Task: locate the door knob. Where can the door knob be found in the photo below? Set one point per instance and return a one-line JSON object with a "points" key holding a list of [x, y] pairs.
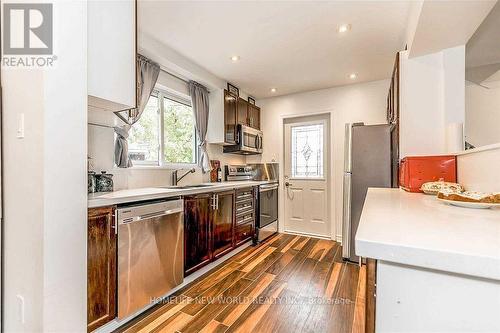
{"points": [[287, 184]]}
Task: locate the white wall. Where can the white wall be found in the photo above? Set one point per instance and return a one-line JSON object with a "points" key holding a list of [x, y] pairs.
{"points": [[432, 94], [44, 185], [364, 102], [482, 114]]}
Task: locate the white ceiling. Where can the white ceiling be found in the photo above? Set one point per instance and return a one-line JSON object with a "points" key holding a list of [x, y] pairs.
{"points": [[292, 46]]}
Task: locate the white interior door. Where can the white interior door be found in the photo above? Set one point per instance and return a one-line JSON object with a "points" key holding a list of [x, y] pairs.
{"points": [[306, 175]]}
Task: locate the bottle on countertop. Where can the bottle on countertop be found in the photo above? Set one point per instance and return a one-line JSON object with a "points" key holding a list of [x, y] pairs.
{"points": [[219, 174]]}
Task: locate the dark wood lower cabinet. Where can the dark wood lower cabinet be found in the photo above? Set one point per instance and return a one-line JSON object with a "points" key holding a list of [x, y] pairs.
{"points": [[197, 231], [101, 267], [212, 228], [371, 284], [223, 224]]}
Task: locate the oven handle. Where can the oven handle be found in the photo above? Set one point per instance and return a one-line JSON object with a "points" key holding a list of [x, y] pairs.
{"points": [[266, 188]]}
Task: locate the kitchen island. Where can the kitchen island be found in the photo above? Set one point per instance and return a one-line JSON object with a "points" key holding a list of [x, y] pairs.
{"points": [[438, 266]]}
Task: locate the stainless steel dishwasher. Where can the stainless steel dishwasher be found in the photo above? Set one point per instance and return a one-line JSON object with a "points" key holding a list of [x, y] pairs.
{"points": [[150, 253]]}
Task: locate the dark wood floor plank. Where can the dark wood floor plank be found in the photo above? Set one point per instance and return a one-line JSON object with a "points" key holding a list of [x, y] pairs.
{"points": [[343, 311], [309, 246], [250, 318], [212, 310], [211, 280], [231, 313], [263, 265], [277, 266], [206, 297]]}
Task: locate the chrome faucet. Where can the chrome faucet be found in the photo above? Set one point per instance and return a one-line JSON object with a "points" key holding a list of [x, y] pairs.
{"points": [[176, 179]]}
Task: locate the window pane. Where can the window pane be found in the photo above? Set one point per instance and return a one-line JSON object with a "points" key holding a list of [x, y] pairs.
{"points": [[307, 151], [179, 133], [144, 135]]}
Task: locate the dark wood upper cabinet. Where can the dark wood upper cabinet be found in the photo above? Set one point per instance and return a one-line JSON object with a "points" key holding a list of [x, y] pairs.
{"points": [[253, 116], [238, 111], [101, 267], [230, 116], [242, 112], [223, 223], [197, 231]]}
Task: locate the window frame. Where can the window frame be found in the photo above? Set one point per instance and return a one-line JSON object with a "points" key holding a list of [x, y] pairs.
{"points": [[160, 94]]}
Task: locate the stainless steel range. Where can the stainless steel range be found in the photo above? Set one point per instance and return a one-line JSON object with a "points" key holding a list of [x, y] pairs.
{"points": [[267, 203]]}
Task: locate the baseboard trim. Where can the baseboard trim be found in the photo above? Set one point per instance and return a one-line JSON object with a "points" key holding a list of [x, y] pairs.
{"points": [[306, 234], [338, 238]]}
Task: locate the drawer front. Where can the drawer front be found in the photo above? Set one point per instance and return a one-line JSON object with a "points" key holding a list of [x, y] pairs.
{"points": [[245, 218], [243, 233], [244, 194], [244, 207]]}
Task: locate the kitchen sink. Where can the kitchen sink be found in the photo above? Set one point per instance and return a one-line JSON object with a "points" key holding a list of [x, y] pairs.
{"points": [[184, 187]]}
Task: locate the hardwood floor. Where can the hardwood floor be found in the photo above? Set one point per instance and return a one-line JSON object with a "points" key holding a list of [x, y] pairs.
{"points": [[288, 284]]}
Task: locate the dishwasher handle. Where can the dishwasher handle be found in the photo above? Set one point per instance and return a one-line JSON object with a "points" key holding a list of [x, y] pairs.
{"points": [[149, 216], [145, 212]]}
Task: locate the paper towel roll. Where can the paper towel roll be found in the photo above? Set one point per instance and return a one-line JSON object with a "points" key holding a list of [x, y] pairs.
{"points": [[455, 137]]}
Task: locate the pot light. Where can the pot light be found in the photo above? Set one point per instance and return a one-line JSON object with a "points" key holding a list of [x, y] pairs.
{"points": [[273, 90], [235, 58], [343, 28], [353, 76]]}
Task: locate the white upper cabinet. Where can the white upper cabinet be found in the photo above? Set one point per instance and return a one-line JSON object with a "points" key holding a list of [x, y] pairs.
{"points": [[111, 54]]}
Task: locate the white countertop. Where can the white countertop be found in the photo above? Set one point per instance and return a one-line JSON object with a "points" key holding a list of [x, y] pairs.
{"points": [[418, 230], [148, 193]]}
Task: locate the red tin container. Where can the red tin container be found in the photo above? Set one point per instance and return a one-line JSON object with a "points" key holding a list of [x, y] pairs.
{"points": [[416, 170]]}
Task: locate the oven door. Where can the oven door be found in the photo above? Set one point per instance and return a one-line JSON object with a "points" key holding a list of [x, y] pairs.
{"points": [[268, 205], [250, 139]]}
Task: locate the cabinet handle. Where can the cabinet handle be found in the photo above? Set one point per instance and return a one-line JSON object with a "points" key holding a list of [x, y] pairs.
{"points": [[213, 201], [217, 201], [115, 223]]}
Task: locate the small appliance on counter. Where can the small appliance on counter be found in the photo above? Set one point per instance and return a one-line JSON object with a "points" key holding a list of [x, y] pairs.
{"points": [[104, 182], [417, 170], [266, 223]]}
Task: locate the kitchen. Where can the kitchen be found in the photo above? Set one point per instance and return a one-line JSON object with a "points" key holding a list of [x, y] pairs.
{"points": [[201, 161]]}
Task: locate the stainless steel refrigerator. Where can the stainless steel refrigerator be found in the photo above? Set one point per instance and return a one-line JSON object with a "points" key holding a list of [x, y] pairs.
{"points": [[367, 163]]}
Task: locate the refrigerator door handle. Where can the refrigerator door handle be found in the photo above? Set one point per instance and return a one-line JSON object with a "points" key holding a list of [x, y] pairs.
{"points": [[346, 217]]}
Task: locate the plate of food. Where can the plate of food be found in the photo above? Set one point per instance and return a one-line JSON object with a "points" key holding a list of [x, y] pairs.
{"points": [[469, 199], [432, 188]]}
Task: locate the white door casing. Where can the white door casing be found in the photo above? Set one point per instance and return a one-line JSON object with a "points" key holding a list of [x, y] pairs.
{"points": [[306, 171]]}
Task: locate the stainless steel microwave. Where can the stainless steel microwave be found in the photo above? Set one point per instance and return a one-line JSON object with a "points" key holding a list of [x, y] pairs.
{"points": [[249, 141]]}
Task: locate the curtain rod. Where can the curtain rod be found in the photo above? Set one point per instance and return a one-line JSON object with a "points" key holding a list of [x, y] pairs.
{"points": [[175, 76], [166, 72]]}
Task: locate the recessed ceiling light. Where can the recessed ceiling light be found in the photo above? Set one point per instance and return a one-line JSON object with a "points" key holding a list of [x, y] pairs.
{"points": [[235, 58], [273, 90], [344, 28], [352, 76]]}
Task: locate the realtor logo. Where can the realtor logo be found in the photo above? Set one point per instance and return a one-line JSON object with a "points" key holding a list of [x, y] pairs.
{"points": [[27, 29]]}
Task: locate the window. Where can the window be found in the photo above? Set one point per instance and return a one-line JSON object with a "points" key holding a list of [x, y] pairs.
{"points": [[165, 133], [307, 151]]}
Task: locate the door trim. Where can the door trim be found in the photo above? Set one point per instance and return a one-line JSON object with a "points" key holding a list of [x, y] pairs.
{"points": [[332, 214]]}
